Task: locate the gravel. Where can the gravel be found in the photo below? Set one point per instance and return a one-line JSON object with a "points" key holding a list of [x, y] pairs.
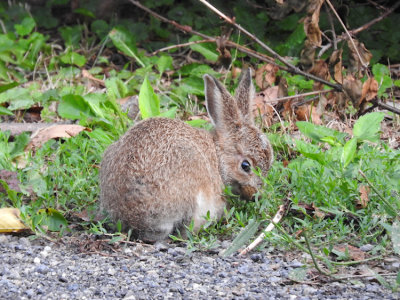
{"points": [[39, 269]]}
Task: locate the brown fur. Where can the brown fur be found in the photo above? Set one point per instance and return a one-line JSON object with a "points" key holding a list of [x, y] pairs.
{"points": [[163, 173]]}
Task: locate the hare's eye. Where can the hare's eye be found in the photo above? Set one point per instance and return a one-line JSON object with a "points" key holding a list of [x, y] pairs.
{"points": [[246, 166]]}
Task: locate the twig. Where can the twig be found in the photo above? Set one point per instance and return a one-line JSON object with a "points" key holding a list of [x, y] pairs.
{"points": [[284, 99], [348, 34], [292, 68], [278, 216], [182, 45], [387, 107], [361, 28]]}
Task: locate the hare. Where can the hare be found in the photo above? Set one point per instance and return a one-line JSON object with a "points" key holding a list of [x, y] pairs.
{"points": [[163, 173]]}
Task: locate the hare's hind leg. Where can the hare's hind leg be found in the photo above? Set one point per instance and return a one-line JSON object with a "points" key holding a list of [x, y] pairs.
{"points": [[156, 233], [214, 206]]}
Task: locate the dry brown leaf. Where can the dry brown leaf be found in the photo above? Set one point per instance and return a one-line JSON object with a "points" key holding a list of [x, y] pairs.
{"points": [[86, 74], [355, 66], [369, 89], [262, 104], [354, 252], [317, 212], [335, 65], [311, 22], [307, 112], [10, 220], [266, 76], [353, 89], [57, 131], [362, 202]]}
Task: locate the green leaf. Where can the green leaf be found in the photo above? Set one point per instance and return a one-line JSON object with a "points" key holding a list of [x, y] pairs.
{"points": [[26, 26], [320, 133], [197, 123], [8, 86], [5, 111], [116, 88], [71, 35], [368, 126], [171, 113], [53, 219], [208, 50], [19, 144], [349, 152], [73, 58], [246, 234], [18, 98], [196, 70], [164, 63], [73, 107], [124, 42], [298, 275], [149, 104], [395, 235], [84, 12]]}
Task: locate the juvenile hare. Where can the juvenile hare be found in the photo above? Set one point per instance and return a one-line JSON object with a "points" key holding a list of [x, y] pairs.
{"points": [[164, 173]]}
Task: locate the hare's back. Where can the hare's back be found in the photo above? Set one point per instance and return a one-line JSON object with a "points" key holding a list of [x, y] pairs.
{"points": [[167, 144]]}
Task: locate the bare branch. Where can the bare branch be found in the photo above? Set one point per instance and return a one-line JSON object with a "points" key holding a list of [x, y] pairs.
{"points": [[276, 219]]}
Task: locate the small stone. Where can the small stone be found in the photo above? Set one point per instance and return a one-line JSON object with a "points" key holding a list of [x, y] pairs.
{"points": [[36, 260], [73, 287], [296, 264], [243, 269], [256, 257], [111, 271], [42, 269], [160, 246], [47, 249], [366, 247]]}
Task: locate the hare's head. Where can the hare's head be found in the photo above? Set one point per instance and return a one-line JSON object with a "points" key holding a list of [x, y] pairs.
{"points": [[241, 146]]}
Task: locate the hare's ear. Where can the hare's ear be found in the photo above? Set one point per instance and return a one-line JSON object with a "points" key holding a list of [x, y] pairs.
{"points": [[245, 94], [221, 106]]}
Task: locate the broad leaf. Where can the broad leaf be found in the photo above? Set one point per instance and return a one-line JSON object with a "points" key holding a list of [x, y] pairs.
{"points": [[125, 42], [208, 50], [349, 152], [368, 126], [320, 133], [26, 26], [73, 58], [149, 104], [73, 107], [164, 63]]}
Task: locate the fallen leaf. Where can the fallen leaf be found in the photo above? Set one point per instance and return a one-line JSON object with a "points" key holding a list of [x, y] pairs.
{"points": [[369, 90], [362, 202], [355, 65], [262, 104], [317, 212], [353, 89], [89, 76], [41, 136], [10, 220], [308, 112], [335, 65], [354, 252], [266, 76]]}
